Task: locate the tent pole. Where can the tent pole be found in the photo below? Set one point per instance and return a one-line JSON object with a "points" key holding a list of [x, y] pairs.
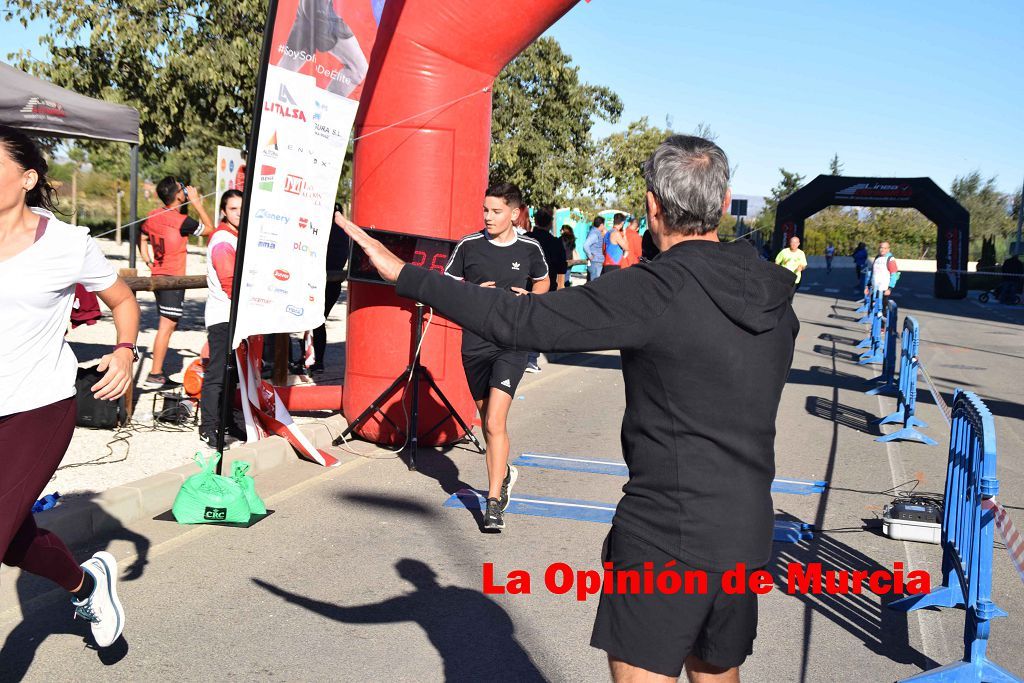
{"points": [[133, 207]]}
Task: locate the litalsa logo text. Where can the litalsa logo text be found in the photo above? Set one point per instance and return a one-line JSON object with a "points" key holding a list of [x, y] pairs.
{"points": [[285, 106]]}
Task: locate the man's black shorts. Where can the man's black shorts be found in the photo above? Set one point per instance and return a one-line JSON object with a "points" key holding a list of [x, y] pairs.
{"points": [[657, 632], [169, 303], [501, 370]]}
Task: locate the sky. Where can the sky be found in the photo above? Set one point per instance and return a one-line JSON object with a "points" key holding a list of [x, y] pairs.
{"points": [[907, 88]]}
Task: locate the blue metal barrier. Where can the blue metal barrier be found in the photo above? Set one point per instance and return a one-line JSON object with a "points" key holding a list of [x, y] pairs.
{"points": [[865, 305], [907, 394], [887, 379], [967, 537], [876, 342], [874, 308]]}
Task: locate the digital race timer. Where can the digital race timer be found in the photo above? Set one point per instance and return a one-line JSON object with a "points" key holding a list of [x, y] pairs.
{"points": [[416, 250]]}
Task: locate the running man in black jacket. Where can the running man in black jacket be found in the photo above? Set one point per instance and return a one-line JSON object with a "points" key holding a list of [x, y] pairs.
{"points": [[706, 333]]}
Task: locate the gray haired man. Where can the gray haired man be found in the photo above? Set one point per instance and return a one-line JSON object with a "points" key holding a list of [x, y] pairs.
{"points": [[706, 333]]}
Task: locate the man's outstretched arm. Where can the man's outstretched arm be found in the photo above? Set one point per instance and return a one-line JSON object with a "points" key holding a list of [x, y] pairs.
{"points": [[614, 313]]}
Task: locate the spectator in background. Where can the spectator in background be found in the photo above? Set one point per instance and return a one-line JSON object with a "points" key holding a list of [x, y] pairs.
{"points": [[830, 253], [860, 260], [220, 276], [164, 247], [648, 249], [614, 245], [884, 274], [554, 251], [522, 220], [554, 254], [592, 248], [1013, 279], [337, 259], [793, 259], [634, 243], [569, 245]]}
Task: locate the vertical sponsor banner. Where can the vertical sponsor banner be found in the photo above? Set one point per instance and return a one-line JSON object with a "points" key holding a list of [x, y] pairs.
{"points": [[314, 60], [318, 60], [230, 172]]}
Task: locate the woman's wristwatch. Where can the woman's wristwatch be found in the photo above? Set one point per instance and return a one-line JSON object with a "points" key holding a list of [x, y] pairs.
{"points": [[129, 345]]}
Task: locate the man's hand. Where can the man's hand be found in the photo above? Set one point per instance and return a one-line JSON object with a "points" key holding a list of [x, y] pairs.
{"points": [[888, 292], [489, 283], [866, 292], [118, 375], [387, 264], [193, 194], [519, 291]]}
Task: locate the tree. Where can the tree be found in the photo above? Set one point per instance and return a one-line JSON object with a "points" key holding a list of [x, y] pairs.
{"points": [[989, 208], [789, 183], [541, 123], [834, 165], [617, 164], [187, 66]]}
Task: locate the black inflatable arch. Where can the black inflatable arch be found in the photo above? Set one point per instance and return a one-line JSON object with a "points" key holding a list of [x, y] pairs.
{"points": [[952, 220]]}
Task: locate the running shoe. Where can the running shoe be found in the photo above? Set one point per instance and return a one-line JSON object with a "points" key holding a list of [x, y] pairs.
{"points": [[159, 382], [102, 609], [532, 367], [506, 487], [493, 519]]}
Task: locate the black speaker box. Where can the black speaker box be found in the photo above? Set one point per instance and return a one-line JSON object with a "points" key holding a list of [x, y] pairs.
{"points": [[95, 413]]}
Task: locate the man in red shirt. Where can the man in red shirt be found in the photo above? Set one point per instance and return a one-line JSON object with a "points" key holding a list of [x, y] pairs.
{"points": [[634, 243], [164, 243]]}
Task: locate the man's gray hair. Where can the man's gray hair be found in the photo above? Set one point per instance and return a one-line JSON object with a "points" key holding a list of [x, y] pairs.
{"points": [[689, 177]]}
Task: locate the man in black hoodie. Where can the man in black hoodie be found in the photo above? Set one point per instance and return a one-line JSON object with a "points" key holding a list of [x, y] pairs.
{"points": [[706, 333]]}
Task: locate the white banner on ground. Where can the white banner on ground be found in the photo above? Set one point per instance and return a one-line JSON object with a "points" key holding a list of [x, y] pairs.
{"points": [[230, 172], [303, 135]]}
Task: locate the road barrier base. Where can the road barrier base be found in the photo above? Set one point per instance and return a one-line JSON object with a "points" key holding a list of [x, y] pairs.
{"points": [[964, 672], [907, 434]]}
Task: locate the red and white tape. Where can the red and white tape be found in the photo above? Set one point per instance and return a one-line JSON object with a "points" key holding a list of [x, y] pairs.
{"points": [[1011, 537]]}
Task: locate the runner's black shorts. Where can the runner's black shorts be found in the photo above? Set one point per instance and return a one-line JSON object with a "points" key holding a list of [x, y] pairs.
{"points": [[169, 303], [501, 369], [657, 632]]}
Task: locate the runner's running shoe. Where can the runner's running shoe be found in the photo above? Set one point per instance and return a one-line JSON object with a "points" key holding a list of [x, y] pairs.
{"points": [[102, 608], [506, 487], [493, 519]]}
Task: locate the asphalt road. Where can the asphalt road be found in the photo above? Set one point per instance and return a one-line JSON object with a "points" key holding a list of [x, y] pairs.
{"points": [[362, 573]]}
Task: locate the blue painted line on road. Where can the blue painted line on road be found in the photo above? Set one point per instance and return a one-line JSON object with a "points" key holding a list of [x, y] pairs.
{"points": [[595, 466], [589, 511]]}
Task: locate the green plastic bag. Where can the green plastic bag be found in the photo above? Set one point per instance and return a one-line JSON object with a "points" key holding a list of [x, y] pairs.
{"points": [[239, 470], [208, 497]]}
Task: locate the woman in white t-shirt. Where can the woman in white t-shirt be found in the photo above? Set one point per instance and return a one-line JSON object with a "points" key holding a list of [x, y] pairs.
{"points": [[41, 261]]}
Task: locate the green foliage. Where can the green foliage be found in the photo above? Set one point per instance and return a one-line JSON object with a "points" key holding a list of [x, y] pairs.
{"points": [[617, 164], [540, 130], [989, 208], [187, 66], [835, 167], [787, 185]]}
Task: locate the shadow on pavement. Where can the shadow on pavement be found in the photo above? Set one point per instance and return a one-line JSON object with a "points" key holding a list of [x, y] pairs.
{"points": [[387, 503], [473, 634], [48, 611], [883, 631], [438, 466], [854, 418], [824, 377], [841, 354]]}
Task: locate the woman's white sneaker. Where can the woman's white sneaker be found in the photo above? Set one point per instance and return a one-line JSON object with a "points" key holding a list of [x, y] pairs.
{"points": [[102, 608]]}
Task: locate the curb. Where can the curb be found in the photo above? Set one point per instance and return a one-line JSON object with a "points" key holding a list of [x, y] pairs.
{"points": [[78, 522]]}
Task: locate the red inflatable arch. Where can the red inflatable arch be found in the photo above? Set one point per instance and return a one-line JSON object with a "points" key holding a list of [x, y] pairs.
{"points": [[426, 176]]}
